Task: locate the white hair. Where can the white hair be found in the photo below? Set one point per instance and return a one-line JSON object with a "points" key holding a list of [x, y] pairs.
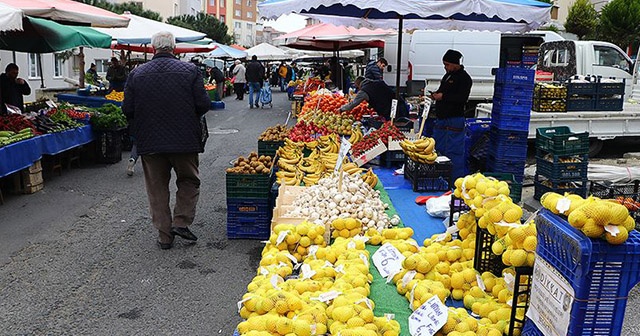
{"points": [[163, 41]]}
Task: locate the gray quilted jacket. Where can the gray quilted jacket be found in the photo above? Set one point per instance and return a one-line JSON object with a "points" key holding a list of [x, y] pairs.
{"points": [[163, 102]]}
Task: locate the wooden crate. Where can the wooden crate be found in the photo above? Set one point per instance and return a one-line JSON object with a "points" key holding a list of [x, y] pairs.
{"points": [[29, 180], [288, 194], [279, 217]]}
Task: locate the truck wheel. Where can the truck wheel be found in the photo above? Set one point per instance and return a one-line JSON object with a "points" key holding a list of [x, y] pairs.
{"points": [[595, 146]]}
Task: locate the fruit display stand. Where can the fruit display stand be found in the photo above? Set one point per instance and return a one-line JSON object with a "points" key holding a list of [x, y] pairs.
{"points": [[89, 101], [591, 277]]}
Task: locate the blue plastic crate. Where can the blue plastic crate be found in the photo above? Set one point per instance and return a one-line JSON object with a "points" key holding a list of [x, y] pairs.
{"points": [[515, 75], [579, 88], [608, 104], [508, 144], [581, 104], [516, 106], [510, 122], [562, 171], [217, 105], [530, 329], [475, 127], [601, 274], [250, 208], [616, 88], [506, 165], [248, 228], [512, 91]]}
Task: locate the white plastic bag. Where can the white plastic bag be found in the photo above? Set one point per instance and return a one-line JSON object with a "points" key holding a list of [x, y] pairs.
{"points": [[439, 206]]}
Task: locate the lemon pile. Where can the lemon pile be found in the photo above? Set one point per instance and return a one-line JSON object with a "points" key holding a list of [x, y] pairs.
{"points": [[345, 227], [595, 217], [297, 238]]}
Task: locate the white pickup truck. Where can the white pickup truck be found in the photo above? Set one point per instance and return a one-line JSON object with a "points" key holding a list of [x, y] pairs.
{"points": [[567, 58]]}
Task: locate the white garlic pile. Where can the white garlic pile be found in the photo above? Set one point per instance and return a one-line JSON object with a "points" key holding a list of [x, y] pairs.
{"points": [[322, 203]]}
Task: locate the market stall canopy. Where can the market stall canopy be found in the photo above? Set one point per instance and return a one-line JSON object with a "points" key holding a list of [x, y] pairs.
{"points": [[141, 29], [267, 52], [68, 11], [181, 48], [329, 32], [10, 18], [225, 51], [46, 36], [239, 47], [500, 15], [300, 54]]}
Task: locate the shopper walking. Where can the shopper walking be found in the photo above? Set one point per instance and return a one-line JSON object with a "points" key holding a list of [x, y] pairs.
{"points": [[451, 97], [166, 125], [282, 76], [374, 69], [13, 88], [239, 73], [255, 77]]}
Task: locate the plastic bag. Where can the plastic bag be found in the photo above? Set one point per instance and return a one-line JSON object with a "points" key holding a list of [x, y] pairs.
{"points": [[439, 206]]}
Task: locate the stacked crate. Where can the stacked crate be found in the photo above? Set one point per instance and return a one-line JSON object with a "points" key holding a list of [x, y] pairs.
{"points": [[512, 100], [476, 139], [549, 97], [562, 159], [428, 177], [595, 94], [249, 209]]}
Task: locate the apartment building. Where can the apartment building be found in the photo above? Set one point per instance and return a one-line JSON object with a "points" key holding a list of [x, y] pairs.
{"points": [[169, 8], [240, 16]]}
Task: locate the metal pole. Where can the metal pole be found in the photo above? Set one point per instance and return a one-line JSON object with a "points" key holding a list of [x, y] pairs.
{"points": [[399, 60], [40, 70]]}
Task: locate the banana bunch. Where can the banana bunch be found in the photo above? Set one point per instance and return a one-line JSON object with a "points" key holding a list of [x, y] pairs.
{"points": [[329, 143], [289, 157], [351, 168], [313, 170], [370, 178], [421, 150], [356, 135]]}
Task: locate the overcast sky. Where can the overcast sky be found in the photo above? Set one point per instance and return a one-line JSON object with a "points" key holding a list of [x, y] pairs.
{"points": [[287, 23]]}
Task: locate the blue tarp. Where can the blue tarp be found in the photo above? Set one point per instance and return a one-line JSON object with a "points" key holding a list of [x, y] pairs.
{"points": [[24, 154]]}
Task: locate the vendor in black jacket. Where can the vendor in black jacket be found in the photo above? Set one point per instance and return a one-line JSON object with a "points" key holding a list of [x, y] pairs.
{"points": [[379, 96], [450, 98], [13, 88]]}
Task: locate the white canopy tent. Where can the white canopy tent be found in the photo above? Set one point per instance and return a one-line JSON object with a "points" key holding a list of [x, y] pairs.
{"points": [[141, 29], [267, 52], [10, 18]]}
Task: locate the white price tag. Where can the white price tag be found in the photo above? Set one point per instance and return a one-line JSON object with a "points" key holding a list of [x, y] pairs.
{"points": [[291, 257], [480, 282], [306, 271], [563, 205], [364, 259], [366, 301], [263, 271], [452, 229], [345, 147], [428, 318], [408, 277], [388, 260], [510, 281], [612, 229], [281, 236], [440, 237], [340, 269], [276, 280], [394, 108], [328, 296], [351, 245], [313, 249], [243, 301]]}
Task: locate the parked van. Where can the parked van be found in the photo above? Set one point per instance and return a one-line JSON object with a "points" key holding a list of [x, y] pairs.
{"points": [[482, 51], [567, 58]]}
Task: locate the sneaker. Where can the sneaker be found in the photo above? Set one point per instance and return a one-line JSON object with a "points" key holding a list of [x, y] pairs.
{"points": [[131, 167]]}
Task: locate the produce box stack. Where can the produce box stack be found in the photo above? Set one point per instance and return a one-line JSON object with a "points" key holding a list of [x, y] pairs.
{"points": [[249, 210], [549, 97], [476, 139], [562, 159], [586, 264], [513, 96], [627, 194], [272, 139], [581, 93], [610, 94]]}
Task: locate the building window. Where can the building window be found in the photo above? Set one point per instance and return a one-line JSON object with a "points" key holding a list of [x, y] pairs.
{"points": [[250, 15], [222, 3], [34, 71], [237, 25], [248, 3], [250, 39], [175, 9], [57, 65], [238, 2], [222, 18], [238, 13], [212, 2], [249, 26], [102, 65]]}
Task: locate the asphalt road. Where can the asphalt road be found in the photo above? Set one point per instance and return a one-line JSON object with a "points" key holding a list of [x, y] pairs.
{"points": [[79, 257]]}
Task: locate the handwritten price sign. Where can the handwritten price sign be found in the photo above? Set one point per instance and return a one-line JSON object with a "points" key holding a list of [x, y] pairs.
{"points": [[388, 260], [429, 318]]}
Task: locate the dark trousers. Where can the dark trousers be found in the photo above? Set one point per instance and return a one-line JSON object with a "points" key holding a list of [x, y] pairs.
{"points": [[449, 136], [239, 88], [157, 174]]}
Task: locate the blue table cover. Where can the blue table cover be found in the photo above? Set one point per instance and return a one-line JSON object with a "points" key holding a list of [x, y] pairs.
{"points": [[56, 143], [90, 101], [23, 154], [19, 155]]}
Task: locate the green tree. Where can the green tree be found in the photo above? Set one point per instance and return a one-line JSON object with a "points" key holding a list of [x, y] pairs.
{"points": [[134, 8], [620, 22], [582, 19], [204, 23]]}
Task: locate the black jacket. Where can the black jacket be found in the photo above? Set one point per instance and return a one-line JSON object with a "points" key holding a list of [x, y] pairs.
{"points": [[455, 88], [380, 96], [12, 92], [254, 72], [166, 118], [216, 75]]}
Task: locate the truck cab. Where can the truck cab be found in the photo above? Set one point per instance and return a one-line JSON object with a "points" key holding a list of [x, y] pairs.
{"points": [[568, 58]]}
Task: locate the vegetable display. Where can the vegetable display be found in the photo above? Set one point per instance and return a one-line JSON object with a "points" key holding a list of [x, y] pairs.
{"points": [[108, 117]]}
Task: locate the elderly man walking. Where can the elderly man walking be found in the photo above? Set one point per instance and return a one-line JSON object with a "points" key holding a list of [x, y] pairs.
{"points": [[166, 125]]}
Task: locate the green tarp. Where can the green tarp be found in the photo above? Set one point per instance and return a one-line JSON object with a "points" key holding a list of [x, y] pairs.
{"points": [[46, 36]]}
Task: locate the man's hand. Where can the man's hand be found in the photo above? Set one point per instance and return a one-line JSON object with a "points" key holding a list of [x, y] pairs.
{"points": [[20, 81], [437, 96]]}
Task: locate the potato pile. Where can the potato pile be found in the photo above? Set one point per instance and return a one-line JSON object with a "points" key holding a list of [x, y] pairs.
{"points": [[274, 133], [253, 164]]}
